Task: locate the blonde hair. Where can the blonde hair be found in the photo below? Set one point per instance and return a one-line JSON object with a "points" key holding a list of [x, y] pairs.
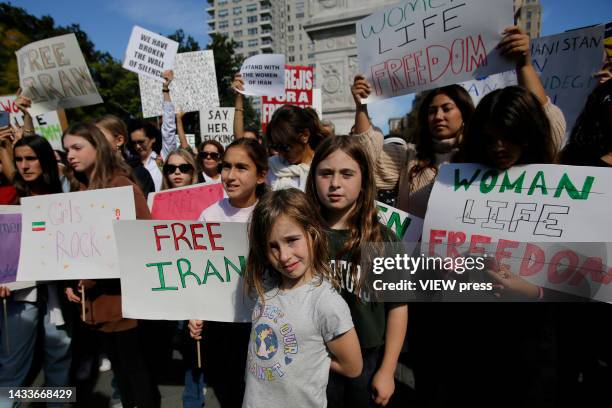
{"points": [[291, 203], [188, 157]]}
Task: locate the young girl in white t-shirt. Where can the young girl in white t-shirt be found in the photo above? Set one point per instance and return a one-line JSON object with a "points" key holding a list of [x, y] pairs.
{"points": [[243, 174], [301, 327]]}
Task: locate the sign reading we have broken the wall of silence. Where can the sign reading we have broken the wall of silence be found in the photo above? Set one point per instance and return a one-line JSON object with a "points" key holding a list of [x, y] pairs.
{"points": [[53, 73], [149, 54], [217, 124], [70, 235], [178, 270], [419, 45], [194, 86], [550, 224]]}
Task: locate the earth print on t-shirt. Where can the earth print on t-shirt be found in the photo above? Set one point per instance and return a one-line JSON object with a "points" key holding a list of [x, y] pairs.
{"points": [[273, 344]]}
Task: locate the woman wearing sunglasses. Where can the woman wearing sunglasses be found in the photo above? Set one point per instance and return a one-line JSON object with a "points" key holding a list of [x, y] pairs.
{"points": [[210, 155], [179, 169]]}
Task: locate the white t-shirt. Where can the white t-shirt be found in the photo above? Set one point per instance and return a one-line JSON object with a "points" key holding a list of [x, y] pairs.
{"points": [[223, 211], [210, 180], [154, 171]]}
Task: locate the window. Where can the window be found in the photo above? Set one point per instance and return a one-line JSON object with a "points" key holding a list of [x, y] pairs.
{"points": [[528, 25], [238, 33], [237, 10], [223, 13], [529, 14], [299, 15], [291, 38], [237, 21], [223, 24], [291, 48], [253, 42], [291, 58], [239, 44], [253, 53], [290, 28], [252, 31], [221, 2], [251, 19], [251, 7]]}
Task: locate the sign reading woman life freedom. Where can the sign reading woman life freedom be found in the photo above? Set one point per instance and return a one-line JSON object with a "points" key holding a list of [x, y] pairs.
{"points": [[418, 45]]}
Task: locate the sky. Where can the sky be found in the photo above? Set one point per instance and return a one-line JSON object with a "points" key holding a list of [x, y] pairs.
{"points": [[109, 24]]}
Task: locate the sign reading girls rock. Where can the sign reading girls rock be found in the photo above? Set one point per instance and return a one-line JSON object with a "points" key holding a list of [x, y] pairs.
{"points": [[70, 236], [549, 224], [149, 54], [53, 73], [418, 44], [178, 270]]}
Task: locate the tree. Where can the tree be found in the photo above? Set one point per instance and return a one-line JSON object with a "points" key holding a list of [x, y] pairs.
{"points": [[188, 44]]}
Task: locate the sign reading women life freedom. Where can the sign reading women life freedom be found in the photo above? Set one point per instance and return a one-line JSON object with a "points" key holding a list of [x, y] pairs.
{"points": [[419, 44], [549, 224], [70, 235], [179, 270], [149, 54], [53, 73]]}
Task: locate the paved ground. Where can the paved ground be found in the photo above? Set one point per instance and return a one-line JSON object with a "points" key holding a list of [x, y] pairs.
{"points": [[96, 393]]}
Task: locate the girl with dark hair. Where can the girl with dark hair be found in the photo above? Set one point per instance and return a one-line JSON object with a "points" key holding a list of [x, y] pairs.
{"points": [[289, 274], [590, 143], [342, 188], [243, 174], [210, 154], [443, 118], [37, 309], [115, 131], [294, 133], [94, 165]]}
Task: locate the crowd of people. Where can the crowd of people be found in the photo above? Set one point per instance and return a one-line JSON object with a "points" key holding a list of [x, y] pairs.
{"points": [[309, 199]]}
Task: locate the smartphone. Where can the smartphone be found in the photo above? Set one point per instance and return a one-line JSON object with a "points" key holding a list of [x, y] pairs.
{"points": [[5, 119]]}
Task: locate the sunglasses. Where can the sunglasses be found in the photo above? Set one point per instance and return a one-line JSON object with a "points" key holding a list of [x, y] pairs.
{"points": [[183, 168], [209, 155], [281, 148]]}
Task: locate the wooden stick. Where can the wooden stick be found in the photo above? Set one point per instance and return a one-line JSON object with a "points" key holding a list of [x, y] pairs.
{"points": [[83, 301], [6, 335], [199, 355]]}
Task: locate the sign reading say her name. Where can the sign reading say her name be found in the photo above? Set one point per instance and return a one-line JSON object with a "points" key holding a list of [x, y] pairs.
{"points": [[419, 45], [46, 125], [194, 86], [178, 270], [534, 219], [70, 236], [184, 203], [149, 54], [10, 236], [53, 73], [264, 75], [217, 124]]}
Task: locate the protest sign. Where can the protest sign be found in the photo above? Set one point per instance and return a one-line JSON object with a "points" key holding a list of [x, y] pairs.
{"points": [[179, 270], [299, 83], [217, 124], [264, 75], [417, 45], [70, 236], [406, 226], [149, 54], [10, 237], [46, 125], [478, 88], [566, 63], [535, 219], [184, 203], [53, 73], [194, 86]]}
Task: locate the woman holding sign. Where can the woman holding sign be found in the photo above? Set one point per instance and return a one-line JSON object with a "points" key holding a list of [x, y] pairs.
{"points": [[94, 165], [38, 308], [443, 118]]}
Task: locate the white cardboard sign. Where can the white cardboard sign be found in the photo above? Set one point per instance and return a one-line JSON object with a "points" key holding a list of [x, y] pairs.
{"points": [[53, 73], [179, 270], [70, 235], [149, 54], [264, 75], [217, 124]]}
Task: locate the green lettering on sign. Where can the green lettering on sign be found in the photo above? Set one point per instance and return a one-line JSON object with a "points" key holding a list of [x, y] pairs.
{"points": [[160, 273], [209, 266], [461, 182], [238, 270], [539, 178], [182, 274], [516, 185], [566, 183]]}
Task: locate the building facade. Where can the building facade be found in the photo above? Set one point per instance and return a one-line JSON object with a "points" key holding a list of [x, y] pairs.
{"points": [[528, 15]]}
